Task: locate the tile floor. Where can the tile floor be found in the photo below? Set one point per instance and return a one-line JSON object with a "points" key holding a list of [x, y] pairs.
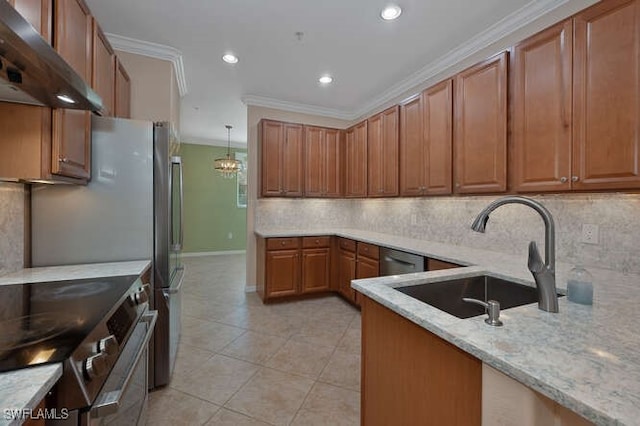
{"points": [[243, 363]]}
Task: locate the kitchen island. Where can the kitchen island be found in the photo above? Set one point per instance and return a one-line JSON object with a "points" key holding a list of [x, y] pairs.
{"points": [[24, 389], [586, 358]]}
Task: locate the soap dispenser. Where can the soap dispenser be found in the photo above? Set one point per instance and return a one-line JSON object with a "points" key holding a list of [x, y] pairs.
{"points": [[580, 286]]}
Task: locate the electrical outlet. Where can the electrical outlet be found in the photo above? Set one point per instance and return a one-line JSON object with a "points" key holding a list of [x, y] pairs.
{"points": [[414, 219], [589, 233], [230, 236]]}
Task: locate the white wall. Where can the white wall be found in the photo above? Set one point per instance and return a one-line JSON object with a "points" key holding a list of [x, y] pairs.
{"points": [[12, 227]]}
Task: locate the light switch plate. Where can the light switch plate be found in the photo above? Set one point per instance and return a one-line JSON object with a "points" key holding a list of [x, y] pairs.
{"points": [[590, 233]]}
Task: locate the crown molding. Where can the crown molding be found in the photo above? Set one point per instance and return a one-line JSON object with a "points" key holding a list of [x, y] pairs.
{"points": [[501, 29], [266, 102], [152, 50]]}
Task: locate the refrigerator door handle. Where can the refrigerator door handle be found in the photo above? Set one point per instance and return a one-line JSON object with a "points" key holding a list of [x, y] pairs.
{"points": [[177, 245], [174, 289]]}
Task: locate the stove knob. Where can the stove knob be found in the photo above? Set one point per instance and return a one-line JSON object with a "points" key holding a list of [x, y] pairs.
{"points": [[96, 366], [140, 297], [108, 345]]}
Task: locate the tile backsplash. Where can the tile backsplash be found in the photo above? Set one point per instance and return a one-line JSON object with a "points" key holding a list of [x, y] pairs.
{"points": [[510, 228], [12, 198]]}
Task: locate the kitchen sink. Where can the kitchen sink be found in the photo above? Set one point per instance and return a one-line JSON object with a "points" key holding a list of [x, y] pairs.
{"points": [[447, 295]]}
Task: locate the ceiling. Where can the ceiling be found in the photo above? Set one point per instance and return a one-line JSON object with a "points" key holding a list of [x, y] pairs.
{"points": [[345, 38]]}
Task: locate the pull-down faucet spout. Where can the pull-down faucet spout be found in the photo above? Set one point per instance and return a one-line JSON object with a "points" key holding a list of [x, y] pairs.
{"points": [[544, 274]]}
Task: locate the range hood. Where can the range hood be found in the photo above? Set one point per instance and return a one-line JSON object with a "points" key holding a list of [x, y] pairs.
{"points": [[32, 72]]}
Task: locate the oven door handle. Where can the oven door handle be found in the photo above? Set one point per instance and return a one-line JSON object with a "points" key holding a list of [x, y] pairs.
{"points": [[110, 402]]}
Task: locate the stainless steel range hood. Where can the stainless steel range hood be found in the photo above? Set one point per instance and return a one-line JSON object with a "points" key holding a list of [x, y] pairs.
{"points": [[32, 72]]}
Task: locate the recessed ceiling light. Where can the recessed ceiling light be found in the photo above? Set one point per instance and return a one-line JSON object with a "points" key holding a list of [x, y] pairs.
{"points": [[65, 98], [390, 12], [325, 79], [230, 58]]}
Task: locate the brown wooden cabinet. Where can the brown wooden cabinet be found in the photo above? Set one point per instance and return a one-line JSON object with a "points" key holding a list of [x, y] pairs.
{"points": [[606, 96], [383, 159], [73, 35], [122, 92], [355, 169], [346, 268], [316, 264], [480, 132], [38, 13], [104, 70], [412, 377], [322, 148], [413, 152], [541, 110], [281, 159]]}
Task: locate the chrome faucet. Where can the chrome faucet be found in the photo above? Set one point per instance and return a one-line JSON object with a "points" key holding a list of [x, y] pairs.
{"points": [[543, 273]]}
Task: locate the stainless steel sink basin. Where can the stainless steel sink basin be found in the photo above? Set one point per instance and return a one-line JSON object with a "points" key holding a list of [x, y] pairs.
{"points": [[447, 295]]}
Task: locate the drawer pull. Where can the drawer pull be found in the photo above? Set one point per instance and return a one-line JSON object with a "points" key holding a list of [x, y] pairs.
{"points": [[283, 242]]}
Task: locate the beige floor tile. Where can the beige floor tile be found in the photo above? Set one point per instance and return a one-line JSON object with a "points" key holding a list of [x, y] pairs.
{"points": [[343, 370], [254, 347], [329, 405], [216, 380], [209, 335], [226, 417], [262, 320], [320, 333], [301, 358], [271, 396], [189, 358], [169, 407], [351, 341]]}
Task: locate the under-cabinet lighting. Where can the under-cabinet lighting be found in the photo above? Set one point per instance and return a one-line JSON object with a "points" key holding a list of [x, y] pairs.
{"points": [[65, 98], [390, 12]]}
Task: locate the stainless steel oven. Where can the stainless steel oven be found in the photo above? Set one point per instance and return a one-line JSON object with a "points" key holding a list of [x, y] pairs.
{"points": [[123, 399]]}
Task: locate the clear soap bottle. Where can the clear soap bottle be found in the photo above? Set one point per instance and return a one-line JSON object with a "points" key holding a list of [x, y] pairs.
{"points": [[580, 286]]}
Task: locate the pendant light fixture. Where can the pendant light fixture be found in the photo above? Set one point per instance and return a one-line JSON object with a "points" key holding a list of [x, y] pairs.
{"points": [[227, 166]]}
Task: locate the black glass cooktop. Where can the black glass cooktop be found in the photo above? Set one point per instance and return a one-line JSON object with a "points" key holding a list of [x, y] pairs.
{"points": [[43, 323]]}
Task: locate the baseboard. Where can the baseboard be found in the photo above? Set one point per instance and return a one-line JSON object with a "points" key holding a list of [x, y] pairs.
{"points": [[213, 253], [250, 289]]}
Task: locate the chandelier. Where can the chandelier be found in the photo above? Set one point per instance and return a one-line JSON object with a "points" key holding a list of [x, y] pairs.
{"points": [[227, 166]]}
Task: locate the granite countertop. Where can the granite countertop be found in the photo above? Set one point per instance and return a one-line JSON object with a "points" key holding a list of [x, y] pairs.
{"points": [[25, 388], [586, 358]]}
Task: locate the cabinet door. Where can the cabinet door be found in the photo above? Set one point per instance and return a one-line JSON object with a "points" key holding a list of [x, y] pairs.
{"points": [[367, 268], [315, 269], [37, 13], [122, 92], [437, 107], [71, 143], [606, 135], [412, 148], [355, 172], [271, 147], [314, 153], [333, 159], [292, 180], [73, 35], [480, 136], [104, 70], [541, 108], [383, 157], [346, 273], [282, 274]]}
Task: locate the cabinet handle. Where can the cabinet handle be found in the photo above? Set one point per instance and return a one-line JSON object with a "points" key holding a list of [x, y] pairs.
{"points": [[283, 242], [317, 241], [574, 178], [563, 179], [63, 160]]}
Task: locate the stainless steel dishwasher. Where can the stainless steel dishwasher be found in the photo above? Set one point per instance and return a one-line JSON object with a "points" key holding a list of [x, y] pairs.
{"points": [[395, 262]]}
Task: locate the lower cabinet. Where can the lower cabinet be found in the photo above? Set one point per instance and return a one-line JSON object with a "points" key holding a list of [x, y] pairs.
{"points": [[316, 264], [346, 268], [412, 377]]}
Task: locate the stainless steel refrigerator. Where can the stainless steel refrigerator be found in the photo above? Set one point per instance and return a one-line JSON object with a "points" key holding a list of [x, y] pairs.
{"points": [[130, 210]]}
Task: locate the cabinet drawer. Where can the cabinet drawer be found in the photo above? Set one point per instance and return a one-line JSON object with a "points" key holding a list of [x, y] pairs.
{"points": [[310, 242], [282, 243], [368, 250], [347, 244]]}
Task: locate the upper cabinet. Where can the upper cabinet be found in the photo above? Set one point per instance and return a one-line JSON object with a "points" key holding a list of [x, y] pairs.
{"points": [[281, 159], [37, 13], [74, 34], [383, 159], [122, 101], [606, 96], [322, 157], [480, 135], [355, 153], [425, 142], [541, 110], [104, 70]]}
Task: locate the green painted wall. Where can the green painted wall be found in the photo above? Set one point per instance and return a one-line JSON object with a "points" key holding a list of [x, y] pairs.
{"points": [[210, 206]]}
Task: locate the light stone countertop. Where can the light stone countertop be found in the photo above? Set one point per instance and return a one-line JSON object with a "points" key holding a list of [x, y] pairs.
{"points": [[25, 388], [586, 358]]}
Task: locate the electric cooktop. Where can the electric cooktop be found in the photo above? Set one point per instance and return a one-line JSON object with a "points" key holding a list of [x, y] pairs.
{"points": [[42, 323]]}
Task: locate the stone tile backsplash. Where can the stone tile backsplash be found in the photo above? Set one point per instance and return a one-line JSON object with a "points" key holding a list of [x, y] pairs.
{"points": [[510, 228], [11, 227]]}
